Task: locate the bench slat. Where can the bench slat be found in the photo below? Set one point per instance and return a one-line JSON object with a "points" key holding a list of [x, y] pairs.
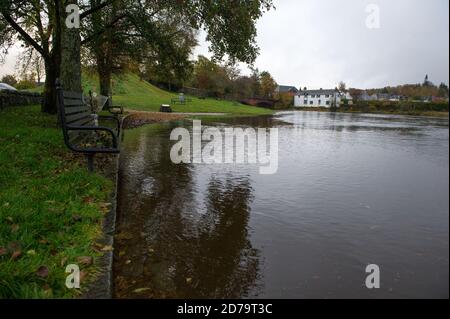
{"points": [[69, 103], [72, 95], [72, 118], [77, 109], [86, 121]]}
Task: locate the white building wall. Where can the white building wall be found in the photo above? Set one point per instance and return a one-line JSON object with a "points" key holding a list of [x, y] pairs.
{"points": [[315, 101]]}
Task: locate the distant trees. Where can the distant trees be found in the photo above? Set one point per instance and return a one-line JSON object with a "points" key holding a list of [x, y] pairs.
{"points": [[355, 94], [342, 87], [268, 84], [30, 64], [221, 80], [443, 90], [9, 79]]}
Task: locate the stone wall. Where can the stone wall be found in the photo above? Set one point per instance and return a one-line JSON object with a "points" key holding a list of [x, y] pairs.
{"points": [[18, 98]]}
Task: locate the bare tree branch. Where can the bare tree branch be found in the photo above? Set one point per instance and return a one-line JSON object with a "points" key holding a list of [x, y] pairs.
{"points": [[24, 34], [94, 9]]}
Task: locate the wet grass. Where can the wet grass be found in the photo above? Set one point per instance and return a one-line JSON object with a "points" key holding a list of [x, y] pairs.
{"points": [[133, 93], [51, 208]]}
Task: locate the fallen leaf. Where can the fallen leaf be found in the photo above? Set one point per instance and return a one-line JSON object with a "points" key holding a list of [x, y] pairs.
{"points": [[3, 251], [188, 280], [122, 253], [43, 241], [107, 248], [6, 204], [42, 272], [31, 252], [85, 260], [128, 262], [14, 228], [88, 199], [83, 275], [10, 219], [16, 255], [151, 250], [76, 218], [139, 290], [63, 261]]}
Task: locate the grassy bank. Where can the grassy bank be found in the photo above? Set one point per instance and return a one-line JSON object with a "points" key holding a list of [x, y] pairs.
{"points": [[136, 94], [133, 93], [391, 111], [51, 208]]}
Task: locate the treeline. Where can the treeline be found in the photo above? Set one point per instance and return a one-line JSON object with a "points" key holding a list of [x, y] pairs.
{"points": [[207, 78], [411, 91]]}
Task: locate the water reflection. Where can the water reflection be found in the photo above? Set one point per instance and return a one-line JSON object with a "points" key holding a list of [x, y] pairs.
{"points": [[351, 189], [175, 240]]}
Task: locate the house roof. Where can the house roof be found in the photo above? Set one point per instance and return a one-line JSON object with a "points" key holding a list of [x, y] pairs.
{"points": [[319, 92], [287, 88]]}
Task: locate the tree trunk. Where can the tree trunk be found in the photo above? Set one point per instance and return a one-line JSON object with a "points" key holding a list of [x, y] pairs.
{"points": [[103, 50], [104, 74], [70, 55], [53, 66], [49, 99]]}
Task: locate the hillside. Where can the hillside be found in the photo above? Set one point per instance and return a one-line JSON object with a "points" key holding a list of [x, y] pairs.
{"points": [[133, 93]]}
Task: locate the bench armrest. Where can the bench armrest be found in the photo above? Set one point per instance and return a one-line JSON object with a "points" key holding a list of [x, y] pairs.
{"points": [[115, 148], [113, 118]]}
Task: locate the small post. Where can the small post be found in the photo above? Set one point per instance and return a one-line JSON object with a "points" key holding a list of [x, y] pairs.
{"points": [[90, 162]]}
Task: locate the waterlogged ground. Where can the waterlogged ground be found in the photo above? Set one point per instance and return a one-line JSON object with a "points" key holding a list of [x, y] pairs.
{"points": [[351, 190]]}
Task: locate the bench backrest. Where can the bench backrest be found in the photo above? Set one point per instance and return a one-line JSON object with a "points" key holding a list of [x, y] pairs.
{"points": [[74, 111]]}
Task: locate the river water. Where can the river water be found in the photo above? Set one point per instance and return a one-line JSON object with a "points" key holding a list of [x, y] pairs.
{"points": [[350, 190]]}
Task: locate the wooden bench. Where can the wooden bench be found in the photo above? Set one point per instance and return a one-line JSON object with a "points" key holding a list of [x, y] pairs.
{"points": [[181, 100], [81, 131]]}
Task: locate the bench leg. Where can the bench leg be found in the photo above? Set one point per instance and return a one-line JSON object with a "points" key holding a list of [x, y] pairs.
{"points": [[90, 162]]}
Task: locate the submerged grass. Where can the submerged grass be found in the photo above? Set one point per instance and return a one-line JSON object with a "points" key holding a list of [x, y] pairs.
{"points": [[51, 208]]}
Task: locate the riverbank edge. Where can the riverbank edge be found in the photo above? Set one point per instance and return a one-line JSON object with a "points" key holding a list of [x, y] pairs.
{"points": [[436, 114], [102, 286]]}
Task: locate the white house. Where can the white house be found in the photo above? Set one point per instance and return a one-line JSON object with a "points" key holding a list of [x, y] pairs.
{"points": [[318, 98]]}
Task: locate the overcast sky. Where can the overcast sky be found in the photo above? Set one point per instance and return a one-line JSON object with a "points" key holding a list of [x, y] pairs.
{"points": [[317, 43]]}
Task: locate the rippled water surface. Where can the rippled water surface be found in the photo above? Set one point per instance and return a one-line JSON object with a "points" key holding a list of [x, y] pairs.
{"points": [[351, 190]]}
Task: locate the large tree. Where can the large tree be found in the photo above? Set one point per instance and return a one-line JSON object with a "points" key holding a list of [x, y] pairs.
{"points": [[230, 27]]}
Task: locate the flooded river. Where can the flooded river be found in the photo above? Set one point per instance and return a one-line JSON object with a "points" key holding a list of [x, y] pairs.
{"points": [[350, 190]]}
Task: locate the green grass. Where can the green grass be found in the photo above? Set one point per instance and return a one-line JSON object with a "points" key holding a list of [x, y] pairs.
{"points": [[133, 93], [50, 206]]}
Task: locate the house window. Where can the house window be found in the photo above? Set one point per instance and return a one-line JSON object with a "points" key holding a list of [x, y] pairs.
{"points": [[328, 95], [320, 102], [328, 102], [305, 102], [311, 102]]}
